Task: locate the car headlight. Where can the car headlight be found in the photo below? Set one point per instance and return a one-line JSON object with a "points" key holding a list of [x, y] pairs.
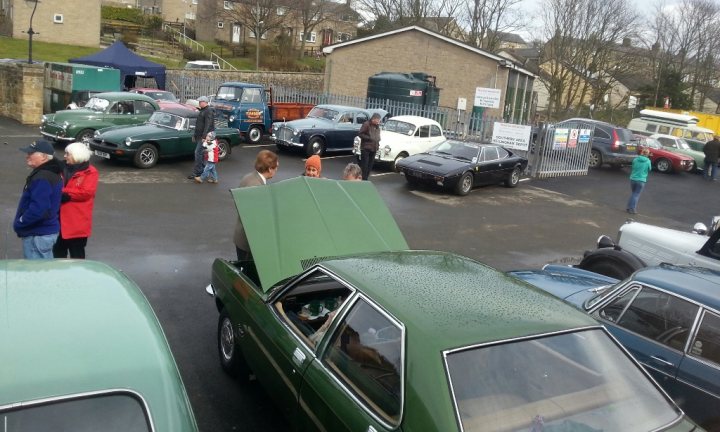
{"points": [[65, 124], [128, 141], [43, 120], [231, 118], [296, 131], [387, 149], [96, 134]]}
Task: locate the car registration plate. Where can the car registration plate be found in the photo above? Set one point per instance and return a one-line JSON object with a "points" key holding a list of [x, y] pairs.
{"points": [[631, 147], [102, 154]]}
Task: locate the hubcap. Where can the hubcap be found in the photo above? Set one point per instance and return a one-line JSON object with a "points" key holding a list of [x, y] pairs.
{"points": [[316, 147], [223, 151], [594, 159], [147, 156], [515, 176], [663, 165], [227, 341], [254, 134], [467, 183]]}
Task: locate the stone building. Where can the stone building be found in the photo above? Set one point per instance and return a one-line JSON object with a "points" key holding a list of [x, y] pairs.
{"points": [[459, 69], [75, 22]]}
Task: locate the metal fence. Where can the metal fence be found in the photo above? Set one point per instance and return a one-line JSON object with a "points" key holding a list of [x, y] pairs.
{"points": [[561, 151]]}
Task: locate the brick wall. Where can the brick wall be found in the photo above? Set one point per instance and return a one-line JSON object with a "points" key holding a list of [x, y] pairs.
{"points": [[80, 26], [21, 92], [458, 70]]}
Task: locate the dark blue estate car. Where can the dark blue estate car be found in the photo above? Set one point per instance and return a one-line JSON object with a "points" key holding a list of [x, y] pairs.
{"points": [[667, 316]]}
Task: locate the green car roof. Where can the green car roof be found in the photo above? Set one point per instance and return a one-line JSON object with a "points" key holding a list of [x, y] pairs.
{"points": [[335, 217], [115, 96], [70, 327]]}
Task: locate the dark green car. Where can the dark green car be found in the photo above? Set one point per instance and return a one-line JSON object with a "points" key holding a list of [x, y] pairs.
{"points": [[102, 110], [167, 133], [349, 331], [82, 350]]}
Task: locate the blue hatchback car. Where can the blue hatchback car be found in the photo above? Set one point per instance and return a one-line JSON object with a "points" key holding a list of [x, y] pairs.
{"points": [[667, 316]]}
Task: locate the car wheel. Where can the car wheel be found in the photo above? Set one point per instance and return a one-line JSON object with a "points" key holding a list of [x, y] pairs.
{"points": [[399, 157], [224, 149], [231, 359], [254, 135], [146, 156], [464, 185], [315, 147], [664, 166], [611, 262], [595, 159], [85, 136], [513, 178]]}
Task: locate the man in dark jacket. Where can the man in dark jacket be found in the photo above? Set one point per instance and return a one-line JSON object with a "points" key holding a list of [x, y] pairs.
{"points": [[37, 220], [205, 123], [369, 144], [712, 154]]}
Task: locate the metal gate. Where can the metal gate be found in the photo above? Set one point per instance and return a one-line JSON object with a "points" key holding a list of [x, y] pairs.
{"points": [[561, 151]]}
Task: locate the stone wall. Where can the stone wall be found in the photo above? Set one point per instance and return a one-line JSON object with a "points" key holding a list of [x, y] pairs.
{"points": [[21, 92]]}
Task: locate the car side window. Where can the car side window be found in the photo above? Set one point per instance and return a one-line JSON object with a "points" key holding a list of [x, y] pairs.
{"points": [[143, 107], [251, 95], [599, 133], [614, 310], [346, 118], [706, 344], [309, 306], [490, 154], [667, 142], [365, 353], [651, 127], [424, 131], [502, 153], [435, 131], [660, 316], [361, 118], [664, 129]]}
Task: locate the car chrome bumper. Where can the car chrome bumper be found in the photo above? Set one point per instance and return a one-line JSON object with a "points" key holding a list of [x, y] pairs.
{"points": [[55, 137], [286, 143]]}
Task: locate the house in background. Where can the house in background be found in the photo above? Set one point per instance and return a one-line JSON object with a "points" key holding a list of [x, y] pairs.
{"points": [[459, 69], [215, 22], [74, 22]]}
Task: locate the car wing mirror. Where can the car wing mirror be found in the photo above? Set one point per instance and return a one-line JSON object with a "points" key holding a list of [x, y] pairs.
{"points": [[700, 228]]}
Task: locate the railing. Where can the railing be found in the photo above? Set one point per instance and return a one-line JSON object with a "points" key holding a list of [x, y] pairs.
{"points": [[221, 62], [182, 38]]}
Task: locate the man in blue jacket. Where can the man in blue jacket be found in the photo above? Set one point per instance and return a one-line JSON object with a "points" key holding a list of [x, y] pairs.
{"points": [[37, 220]]}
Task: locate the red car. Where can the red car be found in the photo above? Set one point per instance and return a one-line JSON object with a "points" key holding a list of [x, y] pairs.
{"points": [[662, 159], [164, 98]]}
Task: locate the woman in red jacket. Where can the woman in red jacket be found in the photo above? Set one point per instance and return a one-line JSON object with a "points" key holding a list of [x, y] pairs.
{"points": [[78, 197]]}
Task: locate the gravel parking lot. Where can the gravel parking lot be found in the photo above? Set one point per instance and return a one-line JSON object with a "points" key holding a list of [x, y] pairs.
{"points": [[163, 231]]}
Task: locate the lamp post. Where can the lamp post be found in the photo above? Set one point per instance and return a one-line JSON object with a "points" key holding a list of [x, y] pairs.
{"points": [[30, 31]]}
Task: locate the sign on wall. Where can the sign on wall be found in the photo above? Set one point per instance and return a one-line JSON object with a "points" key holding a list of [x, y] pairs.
{"points": [[487, 97], [512, 136]]}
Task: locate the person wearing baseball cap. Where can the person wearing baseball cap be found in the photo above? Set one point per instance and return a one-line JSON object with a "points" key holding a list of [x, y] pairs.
{"points": [[37, 220], [205, 123]]}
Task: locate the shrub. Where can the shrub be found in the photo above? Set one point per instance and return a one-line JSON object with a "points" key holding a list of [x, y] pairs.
{"points": [[122, 14]]}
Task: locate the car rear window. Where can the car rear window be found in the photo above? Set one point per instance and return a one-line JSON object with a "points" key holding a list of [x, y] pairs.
{"points": [[624, 135], [578, 381], [107, 412]]}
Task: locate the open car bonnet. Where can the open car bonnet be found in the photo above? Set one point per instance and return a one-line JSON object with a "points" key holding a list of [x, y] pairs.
{"points": [[298, 222]]}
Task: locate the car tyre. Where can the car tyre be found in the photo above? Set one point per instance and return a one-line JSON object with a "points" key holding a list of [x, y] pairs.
{"points": [[224, 149], [231, 359], [399, 157], [664, 166], [513, 178], [85, 136], [146, 156], [611, 262], [595, 160], [465, 184], [254, 135], [316, 146]]}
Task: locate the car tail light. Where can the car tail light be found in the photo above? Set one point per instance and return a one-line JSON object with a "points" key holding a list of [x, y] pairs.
{"points": [[615, 140]]}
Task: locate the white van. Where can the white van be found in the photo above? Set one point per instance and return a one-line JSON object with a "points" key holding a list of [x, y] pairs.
{"points": [[202, 64], [679, 125]]}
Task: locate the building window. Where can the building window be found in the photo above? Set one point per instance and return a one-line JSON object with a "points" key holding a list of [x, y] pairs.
{"points": [[343, 37], [345, 18], [221, 24], [58, 18], [281, 11], [227, 5], [312, 37]]}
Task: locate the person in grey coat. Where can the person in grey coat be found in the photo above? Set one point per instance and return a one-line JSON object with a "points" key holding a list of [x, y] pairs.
{"points": [[205, 123]]}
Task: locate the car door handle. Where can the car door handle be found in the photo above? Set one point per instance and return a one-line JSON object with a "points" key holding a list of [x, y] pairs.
{"points": [[298, 357], [663, 361]]}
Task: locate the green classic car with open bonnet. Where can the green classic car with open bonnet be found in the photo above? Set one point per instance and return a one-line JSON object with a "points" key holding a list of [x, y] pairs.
{"points": [[167, 133], [101, 111], [349, 331], [82, 350]]}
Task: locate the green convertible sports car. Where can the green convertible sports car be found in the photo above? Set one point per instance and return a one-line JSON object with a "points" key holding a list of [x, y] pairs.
{"points": [[349, 331], [168, 133]]}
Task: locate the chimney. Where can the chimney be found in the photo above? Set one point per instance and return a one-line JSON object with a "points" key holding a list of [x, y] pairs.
{"points": [[626, 42]]}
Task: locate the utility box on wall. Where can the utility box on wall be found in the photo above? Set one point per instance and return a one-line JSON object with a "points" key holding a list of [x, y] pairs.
{"points": [[69, 82], [416, 88]]}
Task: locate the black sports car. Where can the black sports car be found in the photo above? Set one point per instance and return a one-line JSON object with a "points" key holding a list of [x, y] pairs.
{"points": [[460, 165]]}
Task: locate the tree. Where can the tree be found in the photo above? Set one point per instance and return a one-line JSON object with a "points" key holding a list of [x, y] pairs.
{"points": [[309, 13], [393, 14], [488, 19], [260, 16]]}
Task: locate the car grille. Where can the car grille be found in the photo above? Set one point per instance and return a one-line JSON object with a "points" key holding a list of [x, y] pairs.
{"points": [[418, 175], [285, 133], [103, 142]]}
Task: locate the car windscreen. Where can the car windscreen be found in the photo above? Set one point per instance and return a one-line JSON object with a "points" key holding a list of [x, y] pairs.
{"points": [[162, 118], [229, 93], [467, 151], [578, 381], [400, 127], [97, 104], [109, 412], [164, 96], [325, 113]]}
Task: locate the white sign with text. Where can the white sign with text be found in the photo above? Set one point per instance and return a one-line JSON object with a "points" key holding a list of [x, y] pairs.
{"points": [[512, 136], [487, 97]]}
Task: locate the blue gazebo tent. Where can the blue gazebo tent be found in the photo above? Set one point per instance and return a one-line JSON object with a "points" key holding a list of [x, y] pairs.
{"points": [[131, 65]]}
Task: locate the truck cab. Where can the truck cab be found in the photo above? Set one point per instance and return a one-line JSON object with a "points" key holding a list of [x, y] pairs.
{"points": [[243, 106]]}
